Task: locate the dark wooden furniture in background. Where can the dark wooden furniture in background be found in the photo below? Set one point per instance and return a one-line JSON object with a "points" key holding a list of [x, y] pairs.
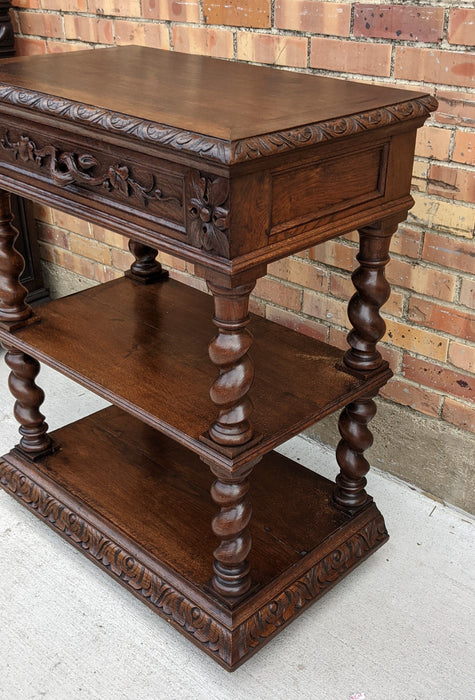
{"points": [[229, 166], [23, 218]]}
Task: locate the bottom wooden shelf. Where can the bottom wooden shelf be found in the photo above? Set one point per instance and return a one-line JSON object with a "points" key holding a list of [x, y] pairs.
{"points": [[138, 505]]}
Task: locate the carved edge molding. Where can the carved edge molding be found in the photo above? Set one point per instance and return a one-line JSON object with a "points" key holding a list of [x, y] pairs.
{"points": [[230, 646], [169, 602], [300, 594], [218, 150]]}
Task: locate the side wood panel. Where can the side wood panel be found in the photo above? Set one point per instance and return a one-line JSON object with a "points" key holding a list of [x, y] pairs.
{"points": [[334, 184]]}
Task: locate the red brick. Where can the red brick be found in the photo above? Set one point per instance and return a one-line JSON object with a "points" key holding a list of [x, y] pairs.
{"points": [[406, 241], [42, 213], [419, 176], [171, 262], [41, 24], [65, 46], [72, 223], [399, 22], [104, 273], [462, 355], [46, 252], [110, 238], [119, 8], [326, 308], [464, 149], [278, 293], [26, 4], [452, 183], [88, 29], [305, 274], [29, 47], [424, 280], [435, 66], [451, 320], [415, 397], [202, 40], [456, 108], [141, 33], [433, 142], [65, 5], [172, 10], [462, 26], [459, 414], [90, 249], [314, 17], [415, 339], [239, 13], [271, 48], [52, 235], [439, 377], [449, 252], [467, 293], [121, 259], [75, 263], [334, 253], [351, 56], [189, 280], [297, 323]]}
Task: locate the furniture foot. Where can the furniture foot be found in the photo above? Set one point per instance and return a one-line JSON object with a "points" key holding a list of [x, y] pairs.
{"points": [[228, 351], [232, 577], [146, 269], [14, 311], [372, 291], [35, 441]]}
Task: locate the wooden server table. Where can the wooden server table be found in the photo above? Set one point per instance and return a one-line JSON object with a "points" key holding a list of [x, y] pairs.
{"points": [[228, 166]]}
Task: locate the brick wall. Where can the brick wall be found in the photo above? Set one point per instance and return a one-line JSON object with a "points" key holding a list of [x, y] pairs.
{"points": [[430, 339]]}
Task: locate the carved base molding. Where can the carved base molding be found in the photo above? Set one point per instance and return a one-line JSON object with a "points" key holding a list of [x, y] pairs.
{"points": [[53, 490]]}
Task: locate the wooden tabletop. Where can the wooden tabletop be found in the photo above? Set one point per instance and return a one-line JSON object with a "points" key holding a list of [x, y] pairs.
{"points": [[219, 99]]}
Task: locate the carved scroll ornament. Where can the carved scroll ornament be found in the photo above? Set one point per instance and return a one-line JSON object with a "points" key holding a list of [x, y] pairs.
{"points": [[66, 168]]}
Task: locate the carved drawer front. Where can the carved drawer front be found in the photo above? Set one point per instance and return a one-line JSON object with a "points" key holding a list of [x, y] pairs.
{"points": [[306, 194], [154, 191]]}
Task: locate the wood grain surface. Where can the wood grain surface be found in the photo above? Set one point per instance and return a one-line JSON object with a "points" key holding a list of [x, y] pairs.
{"points": [[197, 93], [145, 348]]}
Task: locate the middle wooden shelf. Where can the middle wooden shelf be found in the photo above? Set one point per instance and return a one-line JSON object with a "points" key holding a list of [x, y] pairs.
{"points": [[144, 348]]}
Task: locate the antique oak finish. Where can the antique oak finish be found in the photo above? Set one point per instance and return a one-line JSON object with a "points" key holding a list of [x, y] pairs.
{"points": [[175, 489]]}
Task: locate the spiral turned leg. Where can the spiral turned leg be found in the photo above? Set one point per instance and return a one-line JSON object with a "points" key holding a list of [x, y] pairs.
{"points": [[29, 397], [228, 351], [13, 309], [145, 269], [231, 567], [355, 439], [372, 291]]}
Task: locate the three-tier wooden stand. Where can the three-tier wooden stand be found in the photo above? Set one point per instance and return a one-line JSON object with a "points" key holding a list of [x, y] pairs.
{"points": [[228, 166]]}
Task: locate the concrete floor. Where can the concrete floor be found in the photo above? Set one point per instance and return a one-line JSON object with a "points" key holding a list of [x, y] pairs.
{"points": [[399, 627]]}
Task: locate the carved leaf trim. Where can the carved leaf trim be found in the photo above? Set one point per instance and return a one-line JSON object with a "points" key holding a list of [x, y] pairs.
{"points": [[148, 585], [212, 148], [302, 592], [66, 168], [171, 603]]}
